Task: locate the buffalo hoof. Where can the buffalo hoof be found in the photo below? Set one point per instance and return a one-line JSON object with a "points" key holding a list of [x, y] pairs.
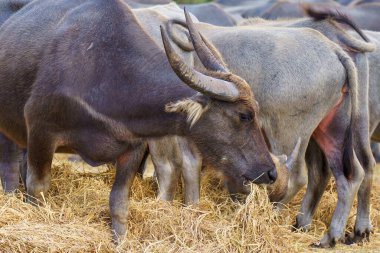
{"points": [[119, 231], [302, 228], [357, 237], [327, 242], [33, 200], [320, 245]]}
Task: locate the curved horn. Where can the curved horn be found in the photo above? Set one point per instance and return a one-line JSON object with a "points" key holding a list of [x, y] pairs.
{"points": [[184, 45], [293, 157], [210, 86], [203, 50]]}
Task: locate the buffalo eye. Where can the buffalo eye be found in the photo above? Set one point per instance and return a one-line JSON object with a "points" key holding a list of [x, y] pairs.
{"points": [[246, 117]]}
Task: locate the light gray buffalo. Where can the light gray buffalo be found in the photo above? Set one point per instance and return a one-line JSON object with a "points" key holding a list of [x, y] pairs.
{"points": [[173, 155], [315, 95], [369, 110], [211, 13], [84, 77]]}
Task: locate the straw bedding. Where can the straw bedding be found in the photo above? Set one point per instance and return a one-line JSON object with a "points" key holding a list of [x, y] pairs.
{"points": [[75, 218]]}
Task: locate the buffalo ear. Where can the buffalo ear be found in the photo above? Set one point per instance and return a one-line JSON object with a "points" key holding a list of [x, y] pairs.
{"points": [[193, 107]]}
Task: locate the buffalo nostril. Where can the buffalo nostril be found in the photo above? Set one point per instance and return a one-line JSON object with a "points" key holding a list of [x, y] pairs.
{"points": [[272, 174]]}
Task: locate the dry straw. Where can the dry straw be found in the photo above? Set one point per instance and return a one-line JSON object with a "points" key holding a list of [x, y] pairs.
{"points": [[76, 219]]}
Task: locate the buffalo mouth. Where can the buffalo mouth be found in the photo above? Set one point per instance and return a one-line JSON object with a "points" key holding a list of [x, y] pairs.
{"points": [[263, 178]]}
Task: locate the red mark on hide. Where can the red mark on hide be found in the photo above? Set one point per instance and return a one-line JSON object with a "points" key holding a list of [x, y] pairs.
{"points": [[123, 158]]}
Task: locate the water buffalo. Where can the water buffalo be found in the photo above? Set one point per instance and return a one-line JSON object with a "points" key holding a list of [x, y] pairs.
{"points": [[282, 94], [172, 155], [365, 15], [211, 13], [318, 172], [85, 77], [11, 156]]}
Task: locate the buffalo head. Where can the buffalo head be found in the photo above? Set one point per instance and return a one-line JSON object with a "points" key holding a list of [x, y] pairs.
{"points": [[223, 116], [278, 189]]}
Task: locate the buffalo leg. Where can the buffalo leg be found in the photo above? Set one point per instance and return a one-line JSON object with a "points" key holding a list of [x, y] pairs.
{"points": [[191, 169], [297, 179], [318, 177], [126, 168], [364, 154], [334, 137], [363, 225], [9, 164], [167, 177], [375, 150], [40, 155], [347, 190], [167, 162], [24, 166]]}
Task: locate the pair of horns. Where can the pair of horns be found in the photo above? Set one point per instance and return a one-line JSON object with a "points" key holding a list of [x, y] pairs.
{"points": [[210, 86]]}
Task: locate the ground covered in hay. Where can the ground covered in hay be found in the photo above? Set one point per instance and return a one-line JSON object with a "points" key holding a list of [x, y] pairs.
{"points": [[75, 218]]}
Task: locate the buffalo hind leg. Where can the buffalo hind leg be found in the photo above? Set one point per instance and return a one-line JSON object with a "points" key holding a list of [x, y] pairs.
{"points": [[334, 137], [347, 190], [362, 145], [318, 177], [363, 226], [127, 166]]}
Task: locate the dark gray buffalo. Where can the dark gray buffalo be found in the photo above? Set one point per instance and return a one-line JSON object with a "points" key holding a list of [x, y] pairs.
{"points": [[319, 88], [84, 77], [365, 15], [11, 157]]}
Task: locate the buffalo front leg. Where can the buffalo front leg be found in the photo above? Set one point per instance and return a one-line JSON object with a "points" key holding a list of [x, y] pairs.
{"points": [[167, 177], [10, 156], [191, 169], [40, 155], [167, 163], [126, 167], [318, 177]]}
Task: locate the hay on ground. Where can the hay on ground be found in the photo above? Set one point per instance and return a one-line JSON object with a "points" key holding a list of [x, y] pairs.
{"points": [[76, 218]]}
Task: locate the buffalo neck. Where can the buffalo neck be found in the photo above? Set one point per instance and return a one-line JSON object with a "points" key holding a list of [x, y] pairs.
{"points": [[122, 74]]}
